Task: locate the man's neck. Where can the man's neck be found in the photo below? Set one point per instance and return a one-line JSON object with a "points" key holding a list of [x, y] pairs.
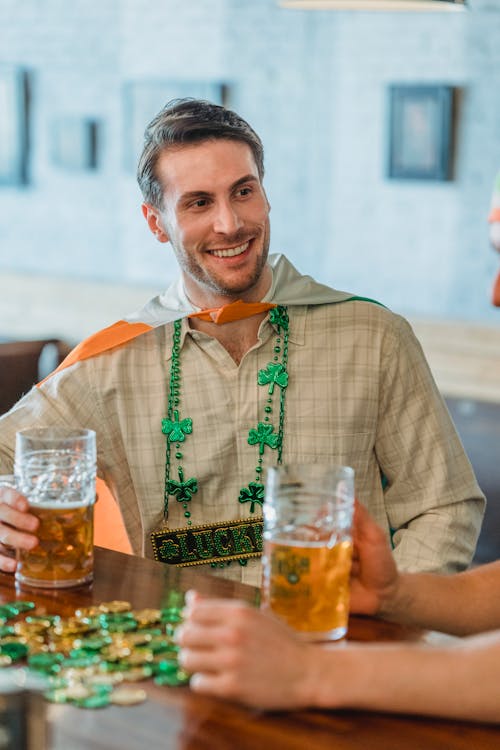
{"points": [[237, 337]]}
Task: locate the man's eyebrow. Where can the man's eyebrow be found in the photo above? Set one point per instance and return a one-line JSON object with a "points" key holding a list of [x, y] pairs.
{"points": [[243, 180], [193, 194]]}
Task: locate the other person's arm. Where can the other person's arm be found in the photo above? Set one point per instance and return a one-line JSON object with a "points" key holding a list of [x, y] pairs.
{"points": [[243, 654], [460, 604], [247, 655]]}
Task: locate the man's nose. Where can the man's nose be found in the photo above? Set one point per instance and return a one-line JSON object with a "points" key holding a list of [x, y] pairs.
{"points": [[226, 218]]}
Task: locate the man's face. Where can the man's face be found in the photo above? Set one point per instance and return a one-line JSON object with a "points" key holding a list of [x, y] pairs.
{"points": [[216, 216]]}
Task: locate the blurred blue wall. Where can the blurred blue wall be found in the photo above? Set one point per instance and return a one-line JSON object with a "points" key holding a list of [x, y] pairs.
{"points": [[313, 84]]}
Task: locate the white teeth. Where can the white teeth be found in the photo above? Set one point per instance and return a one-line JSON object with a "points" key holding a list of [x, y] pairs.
{"points": [[231, 252]]}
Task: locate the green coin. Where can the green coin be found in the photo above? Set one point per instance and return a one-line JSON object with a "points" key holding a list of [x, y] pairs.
{"points": [[166, 666], [95, 643], [100, 688], [122, 627], [171, 614], [14, 649], [80, 662], [172, 680], [108, 617], [94, 701], [45, 662], [81, 653], [7, 613], [23, 606], [161, 646]]}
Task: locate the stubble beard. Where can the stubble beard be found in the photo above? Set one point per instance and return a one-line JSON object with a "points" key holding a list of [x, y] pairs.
{"points": [[219, 285]]}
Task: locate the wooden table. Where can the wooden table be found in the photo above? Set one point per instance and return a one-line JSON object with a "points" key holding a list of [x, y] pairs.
{"points": [[175, 718]]}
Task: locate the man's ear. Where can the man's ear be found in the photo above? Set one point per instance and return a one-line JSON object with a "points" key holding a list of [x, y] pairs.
{"points": [[154, 221]]}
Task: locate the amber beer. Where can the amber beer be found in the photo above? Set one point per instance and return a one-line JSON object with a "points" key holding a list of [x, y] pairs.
{"points": [[55, 469], [306, 565], [307, 585], [65, 553]]}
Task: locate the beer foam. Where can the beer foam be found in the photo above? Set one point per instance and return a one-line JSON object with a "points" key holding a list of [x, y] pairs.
{"points": [[59, 504]]}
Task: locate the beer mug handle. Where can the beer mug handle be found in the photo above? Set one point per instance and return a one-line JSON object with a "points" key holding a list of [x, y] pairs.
{"points": [[8, 480]]}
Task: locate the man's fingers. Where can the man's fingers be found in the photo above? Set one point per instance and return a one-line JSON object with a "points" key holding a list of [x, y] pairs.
{"points": [[16, 539], [7, 564], [10, 497], [17, 519]]}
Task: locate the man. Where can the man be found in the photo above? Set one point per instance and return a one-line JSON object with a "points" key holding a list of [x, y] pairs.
{"points": [[191, 401], [234, 651]]}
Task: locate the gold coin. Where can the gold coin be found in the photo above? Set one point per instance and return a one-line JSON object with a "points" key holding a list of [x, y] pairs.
{"points": [[71, 626], [87, 612], [138, 639], [137, 674], [38, 648], [115, 653], [106, 678], [128, 696], [34, 641], [76, 691], [115, 607], [137, 658], [28, 628], [147, 616]]}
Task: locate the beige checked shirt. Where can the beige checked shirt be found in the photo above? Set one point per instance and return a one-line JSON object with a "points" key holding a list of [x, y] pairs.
{"points": [[360, 393]]}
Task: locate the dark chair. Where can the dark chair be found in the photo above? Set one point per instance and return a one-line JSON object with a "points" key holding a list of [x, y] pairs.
{"points": [[478, 424], [24, 363]]}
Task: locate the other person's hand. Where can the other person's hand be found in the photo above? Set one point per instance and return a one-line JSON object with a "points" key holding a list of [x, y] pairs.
{"points": [[235, 651], [374, 575]]}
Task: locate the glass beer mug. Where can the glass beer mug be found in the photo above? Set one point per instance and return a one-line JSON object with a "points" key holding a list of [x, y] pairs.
{"points": [[55, 468], [308, 512]]}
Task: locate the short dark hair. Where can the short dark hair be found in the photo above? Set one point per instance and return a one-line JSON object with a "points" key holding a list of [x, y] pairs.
{"points": [[185, 121]]}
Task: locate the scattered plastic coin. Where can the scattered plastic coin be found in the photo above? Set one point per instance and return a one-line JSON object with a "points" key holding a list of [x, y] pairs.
{"points": [[85, 657], [94, 701], [15, 649], [128, 696]]}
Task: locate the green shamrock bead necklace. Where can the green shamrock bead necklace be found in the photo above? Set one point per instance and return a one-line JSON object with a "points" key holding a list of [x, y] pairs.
{"points": [[177, 429]]}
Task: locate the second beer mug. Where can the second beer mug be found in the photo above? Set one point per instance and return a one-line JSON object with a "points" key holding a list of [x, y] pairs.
{"points": [[308, 513], [55, 468]]}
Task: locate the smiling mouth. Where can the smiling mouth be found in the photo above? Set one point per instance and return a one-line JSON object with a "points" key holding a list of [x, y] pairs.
{"points": [[230, 252]]}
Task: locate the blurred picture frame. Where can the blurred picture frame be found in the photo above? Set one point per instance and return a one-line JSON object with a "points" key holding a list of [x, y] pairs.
{"points": [[14, 125], [420, 131], [75, 143]]}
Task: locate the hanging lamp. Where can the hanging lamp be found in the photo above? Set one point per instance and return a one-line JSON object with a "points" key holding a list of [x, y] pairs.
{"points": [[415, 5]]}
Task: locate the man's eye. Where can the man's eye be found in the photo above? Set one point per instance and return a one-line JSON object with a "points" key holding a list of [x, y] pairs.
{"points": [[200, 203], [244, 191]]}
